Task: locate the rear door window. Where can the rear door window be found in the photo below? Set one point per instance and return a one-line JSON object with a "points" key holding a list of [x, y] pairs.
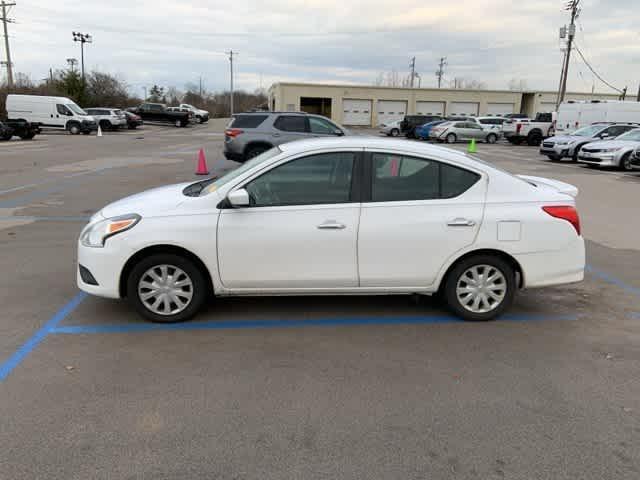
{"points": [[291, 123], [247, 121]]}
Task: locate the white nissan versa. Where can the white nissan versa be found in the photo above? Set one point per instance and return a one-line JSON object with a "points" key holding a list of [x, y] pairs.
{"points": [[351, 215]]}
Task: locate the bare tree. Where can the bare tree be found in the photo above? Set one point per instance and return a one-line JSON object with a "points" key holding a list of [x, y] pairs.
{"points": [[467, 84]]}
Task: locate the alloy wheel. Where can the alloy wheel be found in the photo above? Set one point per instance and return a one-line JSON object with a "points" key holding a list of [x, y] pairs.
{"points": [[481, 288], [165, 289]]}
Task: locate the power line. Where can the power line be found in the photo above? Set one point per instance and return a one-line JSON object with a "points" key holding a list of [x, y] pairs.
{"points": [[594, 72], [5, 21]]}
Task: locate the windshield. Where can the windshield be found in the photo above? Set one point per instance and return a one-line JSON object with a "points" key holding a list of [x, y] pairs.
{"points": [[240, 170], [588, 131], [631, 136], [75, 109]]}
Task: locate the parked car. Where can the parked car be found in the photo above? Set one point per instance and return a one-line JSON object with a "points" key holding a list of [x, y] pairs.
{"points": [[568, 146], [158, 113], [108, 118], [410, 122], [249, 134], [533, 131], [20, 128], [391, 129], [133, 121], [511, 116], [58, 113], [452, 132], [613, 153], [493, 124], [200, 115], [295, 220], [192, 118], [635, 158], [422, 132]]}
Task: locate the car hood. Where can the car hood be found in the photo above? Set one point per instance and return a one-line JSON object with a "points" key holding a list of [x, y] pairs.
{"points": [[157, 201], [613, 144], [566, 138]]}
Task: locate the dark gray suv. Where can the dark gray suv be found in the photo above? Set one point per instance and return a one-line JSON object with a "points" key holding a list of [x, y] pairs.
{"points": [[250, 134]]}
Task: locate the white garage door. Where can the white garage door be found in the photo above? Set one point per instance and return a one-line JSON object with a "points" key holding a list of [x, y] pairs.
{"points": [[499, 108], [430, 108], [464, 108], [356, 112], [391, 110]]}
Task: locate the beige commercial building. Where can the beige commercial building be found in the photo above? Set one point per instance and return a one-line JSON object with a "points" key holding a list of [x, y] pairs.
{"points": [[361, 105]]}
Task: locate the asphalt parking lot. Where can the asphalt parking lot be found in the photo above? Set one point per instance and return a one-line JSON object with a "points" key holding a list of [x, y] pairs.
{"points": [[273, 388]]}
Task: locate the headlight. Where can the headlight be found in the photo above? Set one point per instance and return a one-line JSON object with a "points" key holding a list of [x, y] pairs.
{"points": [[94, 235], [563, 142], [610, 150]]}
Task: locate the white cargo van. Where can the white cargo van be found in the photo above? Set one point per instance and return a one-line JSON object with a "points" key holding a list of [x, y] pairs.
{"points": [[50, 112], [575, 115]]}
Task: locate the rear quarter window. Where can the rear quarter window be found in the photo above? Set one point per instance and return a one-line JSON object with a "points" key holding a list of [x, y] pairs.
{"points": [[247, 121], [455, 181]]}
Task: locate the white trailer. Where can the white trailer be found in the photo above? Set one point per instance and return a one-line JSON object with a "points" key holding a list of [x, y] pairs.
{"points": [[575, 115]]}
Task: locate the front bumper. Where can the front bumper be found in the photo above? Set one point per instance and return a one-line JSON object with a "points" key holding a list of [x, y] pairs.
{"points": [[105, 266], [559, 151], [599, 158]]}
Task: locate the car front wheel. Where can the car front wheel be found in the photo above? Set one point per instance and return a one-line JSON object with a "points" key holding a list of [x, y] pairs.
{"points": [[492, 138], [395, 132], [625, 162], [479, 288], [451, 138], [166, 288]]}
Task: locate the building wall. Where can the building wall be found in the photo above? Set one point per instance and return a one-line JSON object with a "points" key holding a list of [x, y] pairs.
{"points": [[286, 96]]}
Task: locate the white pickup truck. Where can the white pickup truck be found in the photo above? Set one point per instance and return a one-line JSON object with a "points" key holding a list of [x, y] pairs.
{"points": [[519, 130]]}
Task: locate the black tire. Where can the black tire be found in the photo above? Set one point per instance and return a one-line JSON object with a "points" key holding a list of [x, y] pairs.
{"points": [[625, 163], [395, 132], [455, 275], [576, 152], [106, 125], [534, 139], [492, 138], [74, 128], [254, 151], [26, 135], [451, 138], [199, 294]]}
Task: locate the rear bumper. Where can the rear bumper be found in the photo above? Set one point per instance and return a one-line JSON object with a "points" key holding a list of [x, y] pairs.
{"points": [[544, 269]]}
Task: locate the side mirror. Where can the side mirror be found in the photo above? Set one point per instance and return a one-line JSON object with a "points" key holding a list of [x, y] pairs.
{"points": [[239, 198], [337, 132], [604, 136]]}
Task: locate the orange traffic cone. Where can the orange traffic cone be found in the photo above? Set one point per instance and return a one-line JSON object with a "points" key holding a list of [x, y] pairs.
{"points": [[202, 164]]}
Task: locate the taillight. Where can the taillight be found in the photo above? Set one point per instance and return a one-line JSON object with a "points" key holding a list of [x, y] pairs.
{"points": [[565, 212], [233, 132], [518, 128]]}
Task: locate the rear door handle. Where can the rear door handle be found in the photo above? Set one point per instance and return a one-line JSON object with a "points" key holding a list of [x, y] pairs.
{"points": [[461, 222], [331, 225]]}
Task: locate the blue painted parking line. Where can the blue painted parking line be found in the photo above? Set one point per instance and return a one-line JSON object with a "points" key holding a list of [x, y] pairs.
{"points": [[282, 323], [608, 278], [14, 360]]}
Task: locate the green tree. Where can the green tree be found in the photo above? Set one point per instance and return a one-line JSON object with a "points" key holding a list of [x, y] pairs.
{"points": [[156, 94]]}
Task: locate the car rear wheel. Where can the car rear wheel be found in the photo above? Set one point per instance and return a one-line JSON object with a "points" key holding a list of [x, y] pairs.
{"points": [[625, 162], [479, 288], [254, 152], [534, 139], [451, 138], [166, 288], [492, 138], [395, 132]]}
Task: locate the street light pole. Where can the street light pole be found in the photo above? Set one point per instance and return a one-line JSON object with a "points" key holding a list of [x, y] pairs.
{"points": [[82, 38]]}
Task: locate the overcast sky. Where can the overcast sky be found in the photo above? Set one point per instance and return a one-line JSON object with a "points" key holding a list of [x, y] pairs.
{"points": [[339, 41]]}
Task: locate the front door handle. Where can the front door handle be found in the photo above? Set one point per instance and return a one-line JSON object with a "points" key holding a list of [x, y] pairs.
{"points": [[461, 222], [331, 225], [276, 135]]}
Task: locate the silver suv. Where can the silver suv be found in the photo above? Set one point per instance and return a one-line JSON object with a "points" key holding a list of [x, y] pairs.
{"points": [[108, 118], [250, 134]]}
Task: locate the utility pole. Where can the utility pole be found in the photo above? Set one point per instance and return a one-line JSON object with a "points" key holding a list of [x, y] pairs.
{"points": [[572, 5], [6, 20], [201, 87], [145, 93], [413, 71], [440, 71], [231, 52], [638, 98], [82, 38]]}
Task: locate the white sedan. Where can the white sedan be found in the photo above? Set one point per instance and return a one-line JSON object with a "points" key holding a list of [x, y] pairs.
{"points": [[351, 215]]}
